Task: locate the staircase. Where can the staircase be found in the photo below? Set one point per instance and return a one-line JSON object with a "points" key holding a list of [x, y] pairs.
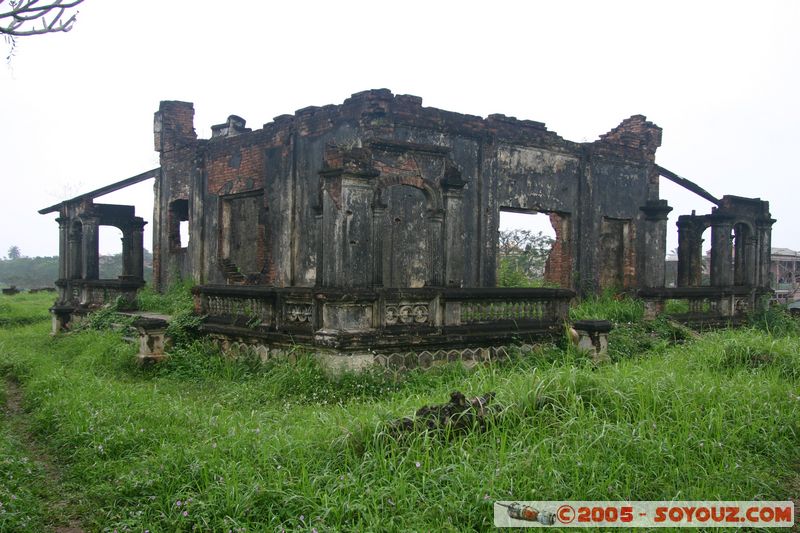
{"points": [[232, 273]]}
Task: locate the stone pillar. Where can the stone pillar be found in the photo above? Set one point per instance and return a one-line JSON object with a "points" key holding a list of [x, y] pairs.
{"points": [[90, 248], [654, 254], [744, 257], [453, 237], [721, 252], [763, 255], [136, 266], [63, 244], [75, 252], [435, 223], [378, 215], [126, 253], [690, 251], [750, 251]]}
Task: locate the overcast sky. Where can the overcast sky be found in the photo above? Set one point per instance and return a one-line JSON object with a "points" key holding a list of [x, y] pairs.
{"points": [[721, 79]]}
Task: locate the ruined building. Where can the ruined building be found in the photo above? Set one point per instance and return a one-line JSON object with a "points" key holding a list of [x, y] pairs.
{"points": [[372, 225]]}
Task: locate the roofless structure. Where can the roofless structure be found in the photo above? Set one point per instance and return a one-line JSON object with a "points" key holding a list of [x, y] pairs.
{"points": [[369, 228]]}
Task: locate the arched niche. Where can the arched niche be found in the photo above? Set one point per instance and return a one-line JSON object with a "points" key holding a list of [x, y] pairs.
{"points": [[407, 232]]}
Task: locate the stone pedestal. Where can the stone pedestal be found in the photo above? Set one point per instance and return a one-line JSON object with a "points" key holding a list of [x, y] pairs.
{"points": [[152, 339], [593, 338], [61, 315], [653, 307]]}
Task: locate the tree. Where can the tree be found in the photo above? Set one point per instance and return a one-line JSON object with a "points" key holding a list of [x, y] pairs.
{"points": [[14, 253], [22, 18], [522, 255]]}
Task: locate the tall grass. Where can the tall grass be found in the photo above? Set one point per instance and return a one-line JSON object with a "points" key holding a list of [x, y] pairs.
{"points": [[175, 300], [21, 482], [205, 442], [608, 306]]}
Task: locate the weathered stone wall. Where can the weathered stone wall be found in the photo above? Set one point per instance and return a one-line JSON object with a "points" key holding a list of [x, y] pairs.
{"points": [[501, 162], [177, 143]]}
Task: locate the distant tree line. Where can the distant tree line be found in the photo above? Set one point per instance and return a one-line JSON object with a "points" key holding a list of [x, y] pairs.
{"points": [[37, 272]]}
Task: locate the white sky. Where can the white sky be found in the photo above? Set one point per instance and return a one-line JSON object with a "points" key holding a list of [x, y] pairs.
{"points": [[721, 79]]}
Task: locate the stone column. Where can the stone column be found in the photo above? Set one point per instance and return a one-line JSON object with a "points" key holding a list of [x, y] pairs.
{"points": [[126, 253], [91, 247], [453, 237], [435, 223], [690, 251], [378, 215], [721, 252], [136, 265], [763, 255], [75, 252], [63, 244], [656, 213], [750, 250]]}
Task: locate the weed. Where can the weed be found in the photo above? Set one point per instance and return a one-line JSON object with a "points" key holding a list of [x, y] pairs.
{"points": [[211, 442], [616, 308], [184, 327], [177, 298], [777, 320]]}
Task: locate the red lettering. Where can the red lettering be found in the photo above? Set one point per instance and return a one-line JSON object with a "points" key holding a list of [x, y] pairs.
{"points": [[731, 514], [783, 514], [583, 514], [717, 514], [689, 512], [675, 514], [661, 515], [626, 514], [751, 514], [702, 514]]}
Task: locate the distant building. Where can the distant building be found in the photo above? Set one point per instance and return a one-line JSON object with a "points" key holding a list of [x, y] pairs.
{"points": [[785, 271]]}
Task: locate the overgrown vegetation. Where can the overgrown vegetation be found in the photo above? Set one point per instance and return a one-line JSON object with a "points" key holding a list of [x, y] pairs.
{"points": [[210, 443], [175, 300]]}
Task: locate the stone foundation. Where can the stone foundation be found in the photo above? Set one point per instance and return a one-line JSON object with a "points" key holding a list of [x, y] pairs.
{"points": [[337, 362]]}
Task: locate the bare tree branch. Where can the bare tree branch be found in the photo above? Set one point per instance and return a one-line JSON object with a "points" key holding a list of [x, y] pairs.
{"points": [[21, 17]]}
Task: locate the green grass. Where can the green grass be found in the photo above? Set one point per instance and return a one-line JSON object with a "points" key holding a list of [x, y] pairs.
{"points": [[175, 300], [21, 482], [25, 308], [617, 309], [283, 446]]}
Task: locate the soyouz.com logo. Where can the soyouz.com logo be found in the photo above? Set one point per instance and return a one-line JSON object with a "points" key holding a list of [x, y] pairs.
{"points": [[644, 514]]}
